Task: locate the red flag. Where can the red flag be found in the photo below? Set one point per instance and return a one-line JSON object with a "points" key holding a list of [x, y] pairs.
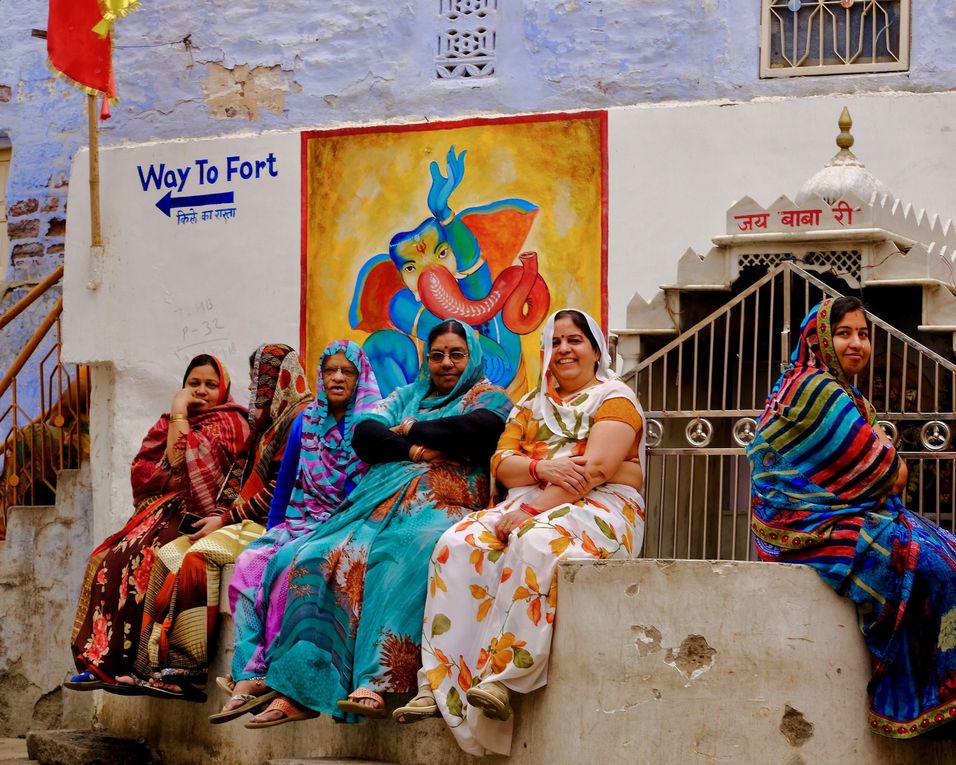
{"points": [[76, 52]]}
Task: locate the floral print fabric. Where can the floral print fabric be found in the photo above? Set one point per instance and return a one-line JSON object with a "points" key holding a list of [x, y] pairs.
{"points": [[356, 586], [491, 607], [109, 614]]}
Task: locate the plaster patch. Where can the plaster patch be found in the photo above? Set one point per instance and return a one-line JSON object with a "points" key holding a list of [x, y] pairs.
{"points": [[244, 92], [795, 727], [693, 658], [647, 639]]}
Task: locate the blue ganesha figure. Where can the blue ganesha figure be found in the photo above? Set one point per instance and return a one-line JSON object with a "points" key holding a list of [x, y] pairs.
{"points": [[452, 265]]}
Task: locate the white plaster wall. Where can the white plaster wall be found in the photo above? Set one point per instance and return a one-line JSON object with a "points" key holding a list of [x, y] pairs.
{"points": [[673, 171], [167, 291]]}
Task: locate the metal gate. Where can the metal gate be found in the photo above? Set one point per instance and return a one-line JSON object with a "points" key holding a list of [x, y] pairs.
{"points": [[703, 391]]}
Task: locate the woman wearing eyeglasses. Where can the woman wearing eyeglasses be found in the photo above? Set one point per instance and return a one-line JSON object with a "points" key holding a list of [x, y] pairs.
{"points": [[356, 592]]}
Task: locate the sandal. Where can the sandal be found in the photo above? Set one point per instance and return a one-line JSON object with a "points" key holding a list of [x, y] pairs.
{"points": [[84, 681], [421, 707], [228, 685], [288, 708], [250, 703], [352, 706], [186, 692], [135, 688], [492, 698]]}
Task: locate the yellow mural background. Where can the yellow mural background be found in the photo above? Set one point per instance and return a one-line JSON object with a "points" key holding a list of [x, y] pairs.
{"points": [[364, 187]]}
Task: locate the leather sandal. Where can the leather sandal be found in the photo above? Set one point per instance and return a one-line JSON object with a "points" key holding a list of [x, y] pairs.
{"points": [[492, 698], [228, 685], [421, 707], [352, 706], [250, 703], [84, 681], [288, 708]]}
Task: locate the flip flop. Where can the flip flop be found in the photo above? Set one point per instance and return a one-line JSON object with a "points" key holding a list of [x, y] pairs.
{"points": [[292, 714], [412, 712], [228, 685], [492, 698], [125, 689], [84, 681], [186, 691], [364, 710], [251, 703]]}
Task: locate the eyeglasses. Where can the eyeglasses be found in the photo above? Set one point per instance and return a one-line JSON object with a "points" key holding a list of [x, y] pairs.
{"points": [[456, 356], [347, 372]]}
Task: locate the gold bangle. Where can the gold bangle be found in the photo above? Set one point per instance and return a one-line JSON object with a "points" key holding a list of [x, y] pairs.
{"points": [[178, 418]]}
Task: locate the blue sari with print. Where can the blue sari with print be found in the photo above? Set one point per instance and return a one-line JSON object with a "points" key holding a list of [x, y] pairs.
{"points": [[356, 590]]}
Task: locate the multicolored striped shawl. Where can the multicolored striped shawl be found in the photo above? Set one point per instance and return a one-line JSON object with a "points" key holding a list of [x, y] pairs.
{"points": [[821, 478]]}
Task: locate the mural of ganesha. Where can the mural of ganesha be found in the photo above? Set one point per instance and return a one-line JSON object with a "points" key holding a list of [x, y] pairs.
{"points": [[466, 265]]}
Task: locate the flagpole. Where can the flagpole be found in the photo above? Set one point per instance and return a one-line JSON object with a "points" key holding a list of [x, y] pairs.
{"points": [[96, 239]]}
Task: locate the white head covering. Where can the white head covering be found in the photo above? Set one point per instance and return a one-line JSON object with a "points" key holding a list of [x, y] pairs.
{"points": [[604, 371], [547, 408]]}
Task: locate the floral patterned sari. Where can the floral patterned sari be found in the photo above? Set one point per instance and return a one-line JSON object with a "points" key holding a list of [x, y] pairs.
{"points": [[110, 611], [357, 583], [491, 607]]}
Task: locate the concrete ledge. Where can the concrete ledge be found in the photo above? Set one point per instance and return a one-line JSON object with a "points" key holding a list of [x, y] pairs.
{"points": [[41, 569], [85, 747], [664, 662]]}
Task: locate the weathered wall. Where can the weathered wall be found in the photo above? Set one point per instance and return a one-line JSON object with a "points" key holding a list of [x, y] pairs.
{"points": [[188, 70], [697, 662], [169, 290], [41, 569]]}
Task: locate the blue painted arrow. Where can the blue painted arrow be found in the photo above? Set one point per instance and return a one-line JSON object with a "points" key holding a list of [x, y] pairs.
{"points": [[168, 202]]}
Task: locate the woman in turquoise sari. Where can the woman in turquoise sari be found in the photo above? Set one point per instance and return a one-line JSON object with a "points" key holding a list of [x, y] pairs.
{"points": [[827, 487], [356, 590]]}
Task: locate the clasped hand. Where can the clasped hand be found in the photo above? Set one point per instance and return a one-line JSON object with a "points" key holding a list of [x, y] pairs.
{"points": [[568, 473]]}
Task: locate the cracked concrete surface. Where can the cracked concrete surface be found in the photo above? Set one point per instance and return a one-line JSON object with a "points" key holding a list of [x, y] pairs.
{"points": [[693, 658]]}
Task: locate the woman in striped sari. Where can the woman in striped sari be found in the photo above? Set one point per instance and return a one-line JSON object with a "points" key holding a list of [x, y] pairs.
{"points": [[826, 484]]}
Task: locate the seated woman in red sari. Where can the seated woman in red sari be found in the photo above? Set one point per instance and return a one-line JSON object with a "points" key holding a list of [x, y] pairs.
{"points": [[826, 484], [182, 601], [180, 468]]}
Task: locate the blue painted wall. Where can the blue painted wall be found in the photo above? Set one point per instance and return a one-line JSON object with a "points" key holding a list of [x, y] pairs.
{"points": [[317, 64], [265, 64]]}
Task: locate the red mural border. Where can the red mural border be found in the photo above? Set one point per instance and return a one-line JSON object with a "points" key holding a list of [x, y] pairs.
{"points": [[418, 127]]}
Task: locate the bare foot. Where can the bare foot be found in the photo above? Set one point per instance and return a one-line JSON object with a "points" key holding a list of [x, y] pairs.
{"points": [[126, 680], [163, 685]]}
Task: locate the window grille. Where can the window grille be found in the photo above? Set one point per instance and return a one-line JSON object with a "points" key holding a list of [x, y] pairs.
{"points": [[466, 42], [804, 37]]}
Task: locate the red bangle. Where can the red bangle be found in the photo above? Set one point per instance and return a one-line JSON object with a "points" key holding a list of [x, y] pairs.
{"points": [[530, 509], [533, 470]]}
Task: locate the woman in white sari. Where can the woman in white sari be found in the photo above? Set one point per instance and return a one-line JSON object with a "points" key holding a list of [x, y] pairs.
{"points": [[571, 459]]}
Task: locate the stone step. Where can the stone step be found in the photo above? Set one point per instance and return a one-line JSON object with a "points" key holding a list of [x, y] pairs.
{"points": [[85, 747], [326, 761], [13, 751]]}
